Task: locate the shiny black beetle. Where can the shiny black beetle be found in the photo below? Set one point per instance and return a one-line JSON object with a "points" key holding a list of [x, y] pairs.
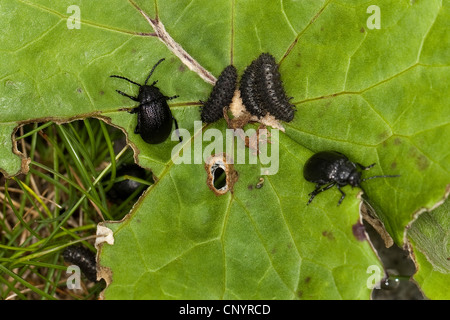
{"points": [[332, 168], [121, 190], [154, 121]]}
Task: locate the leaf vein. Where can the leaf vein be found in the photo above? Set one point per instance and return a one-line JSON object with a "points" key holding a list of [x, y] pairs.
{"points": [[38, 38], [303, 31], [419, 53], [286, 17], [262, 243], [225, 220]]}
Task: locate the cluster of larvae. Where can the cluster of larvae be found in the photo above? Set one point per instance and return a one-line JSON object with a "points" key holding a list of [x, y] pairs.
{"points": [[260, 88]]}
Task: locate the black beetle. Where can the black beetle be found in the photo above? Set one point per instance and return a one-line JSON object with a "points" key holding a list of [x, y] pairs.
{"points": [[154, 121], [123, 189], [332, 168]]}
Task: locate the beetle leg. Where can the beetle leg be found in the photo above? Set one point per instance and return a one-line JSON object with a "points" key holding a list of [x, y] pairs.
{"points": [[318, 190], [176, 129], [134, 110], [364, 167], [128, 96], [343, 195], [173, 97], [318, 186], [136, 130]]}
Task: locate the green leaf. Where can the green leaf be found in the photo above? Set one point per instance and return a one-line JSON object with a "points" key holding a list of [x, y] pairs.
{"points": [[430, 239], [377, 95], [8, 164], [252, 244]]}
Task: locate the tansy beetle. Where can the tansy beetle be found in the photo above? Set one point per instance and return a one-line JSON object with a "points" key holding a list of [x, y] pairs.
{"points": [[332, 168], [154, 118]]}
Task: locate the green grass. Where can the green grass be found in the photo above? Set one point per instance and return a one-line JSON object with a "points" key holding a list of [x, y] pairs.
{"points": [[56, 204]]}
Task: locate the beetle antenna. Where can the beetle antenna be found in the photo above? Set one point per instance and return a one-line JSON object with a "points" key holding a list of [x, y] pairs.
{"points": [[120, 77], [153, 69], [386, 176]]}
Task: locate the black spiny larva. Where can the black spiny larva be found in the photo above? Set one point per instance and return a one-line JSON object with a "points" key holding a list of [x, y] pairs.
{"points": [[221, 95], [249, 90], [84, 259], [271, 90], [262, 90]]}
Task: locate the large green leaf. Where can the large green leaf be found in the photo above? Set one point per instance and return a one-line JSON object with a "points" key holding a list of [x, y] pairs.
{"points": [[378, 95], [430, 237]]}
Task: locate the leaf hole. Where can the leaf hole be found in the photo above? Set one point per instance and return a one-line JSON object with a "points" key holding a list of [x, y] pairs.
{"points": [[219, 177], [221, 173]]}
